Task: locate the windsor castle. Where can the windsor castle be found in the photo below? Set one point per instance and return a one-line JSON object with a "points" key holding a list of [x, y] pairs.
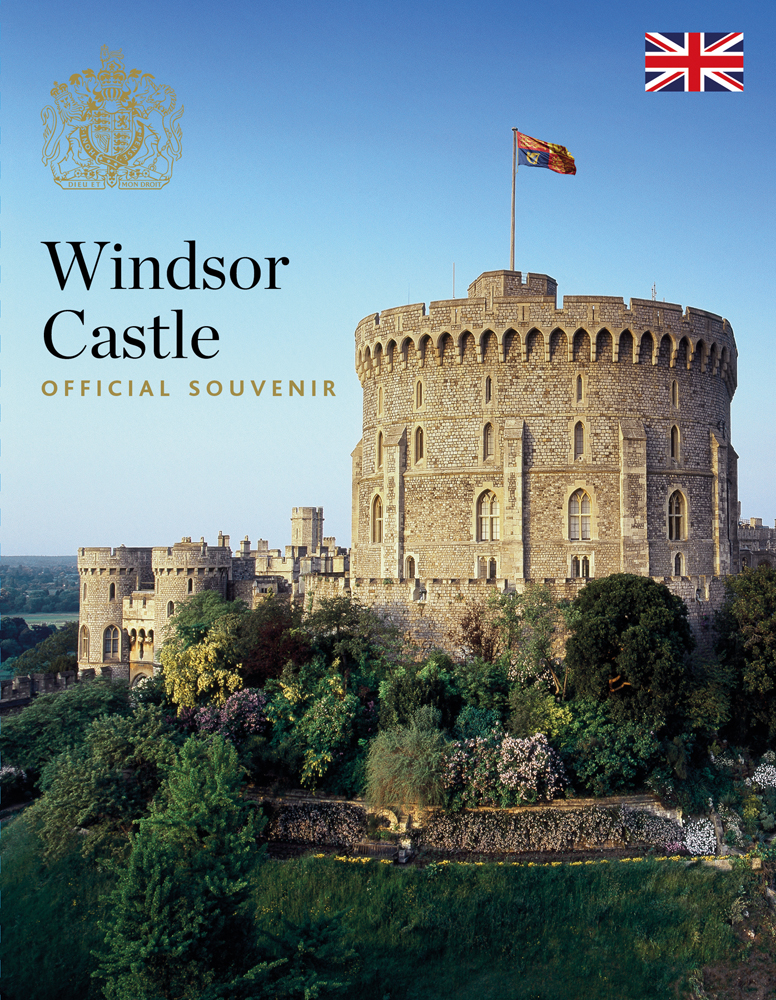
{"points": [[505, 440]]}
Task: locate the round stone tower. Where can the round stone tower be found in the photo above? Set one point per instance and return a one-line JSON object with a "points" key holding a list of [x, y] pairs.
{"points": [[504, 438], [107, 576], [184, 569]]}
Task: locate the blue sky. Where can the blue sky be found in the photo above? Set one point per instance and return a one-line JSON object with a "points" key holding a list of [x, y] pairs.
{"points": [[371, 145]]}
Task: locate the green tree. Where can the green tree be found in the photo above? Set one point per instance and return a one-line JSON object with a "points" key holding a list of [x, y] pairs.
{"points": [[746, 642], [57, 653], [342, 628], [179, 926], [57, 722], [628, 645], [105, 784], [529, 626], [271, 637]]}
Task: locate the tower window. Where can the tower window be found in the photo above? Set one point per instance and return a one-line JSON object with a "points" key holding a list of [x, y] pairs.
{"points": [[579, 516], [487, 515], [410, 568], [580, 388], [112, 592], [110, 643], [487, 441], [191, 585], [380, 399], [170, 609], [418, 395], [492, 569], [84, 591], [675, 442], [379, 450], [84, 643], [377, 520], [579, 441], [678, 564], [675, 516], [674, 393], [488, 389], [418, 444]]}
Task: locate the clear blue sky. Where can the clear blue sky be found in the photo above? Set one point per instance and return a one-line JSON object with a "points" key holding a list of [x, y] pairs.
{"points": [[370, 144]]}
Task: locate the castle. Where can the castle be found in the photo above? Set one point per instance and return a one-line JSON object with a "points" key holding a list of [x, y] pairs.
{"points": [[504, 441]]}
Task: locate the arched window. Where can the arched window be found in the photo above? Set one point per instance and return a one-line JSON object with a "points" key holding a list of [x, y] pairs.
{"points": [[580, 388], [492, 569], [170, 609], [410, 568], [579, 441], [377, 520], [674, 393], [482, 568], [675, 516], [191, 585], [488, 389], [112, 592], [379, 450], [84, 643], [418, 444], [579, 516], [418, 395], [487, 516], [110, 643], [575, 566], [675, 442], [487, 441], [585, 567], [678, 564]]}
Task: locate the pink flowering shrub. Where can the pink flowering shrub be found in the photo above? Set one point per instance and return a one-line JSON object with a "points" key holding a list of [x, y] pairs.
{"points": [[242, 715], [498, 770]]}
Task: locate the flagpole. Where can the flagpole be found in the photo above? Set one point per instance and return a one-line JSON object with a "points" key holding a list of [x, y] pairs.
{"points": [[514, 172]]}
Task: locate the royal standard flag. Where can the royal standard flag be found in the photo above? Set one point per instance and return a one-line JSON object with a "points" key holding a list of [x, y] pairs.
{"points": [[535, 153]]}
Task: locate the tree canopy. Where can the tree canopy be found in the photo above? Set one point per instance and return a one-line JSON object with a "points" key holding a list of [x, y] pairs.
{"points": [[746, 643], [628, 643]]}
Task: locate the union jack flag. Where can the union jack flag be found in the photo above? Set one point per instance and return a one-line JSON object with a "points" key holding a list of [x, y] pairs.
{"points": [[694, 60]]}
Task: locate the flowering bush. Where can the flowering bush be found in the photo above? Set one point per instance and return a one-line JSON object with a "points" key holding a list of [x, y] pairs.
{"points": [[699, 837], [502, 770], [240, 716], [765, 775], [470, 771], [530, 768]]}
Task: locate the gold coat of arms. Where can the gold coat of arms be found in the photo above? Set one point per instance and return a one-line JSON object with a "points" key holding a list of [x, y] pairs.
{"points": [[112, 128]]}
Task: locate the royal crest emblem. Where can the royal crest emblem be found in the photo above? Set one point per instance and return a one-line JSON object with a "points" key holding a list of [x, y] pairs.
{"points": [[112, 128]]}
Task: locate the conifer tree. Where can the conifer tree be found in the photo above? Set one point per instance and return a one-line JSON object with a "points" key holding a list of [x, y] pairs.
{"points": [[179, 926]]}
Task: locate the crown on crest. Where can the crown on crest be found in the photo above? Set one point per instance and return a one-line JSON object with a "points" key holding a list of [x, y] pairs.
{"points": [[112, 76]]}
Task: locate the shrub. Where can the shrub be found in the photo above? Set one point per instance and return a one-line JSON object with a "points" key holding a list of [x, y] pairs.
{"points": [[604, 756], [405, 765]]}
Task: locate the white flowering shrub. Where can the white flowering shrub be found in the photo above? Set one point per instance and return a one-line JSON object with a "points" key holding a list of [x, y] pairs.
{"points": [[498, 770], [731, 825], [699, 837], [765, 775], [530, 769]]}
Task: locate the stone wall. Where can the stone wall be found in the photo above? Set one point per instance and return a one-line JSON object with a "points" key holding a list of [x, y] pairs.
{"points": [[564, 825]]}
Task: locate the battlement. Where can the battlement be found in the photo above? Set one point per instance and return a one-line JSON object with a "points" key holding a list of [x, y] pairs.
{"points": [[104, 558], [521, 319], [187, 554]]}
